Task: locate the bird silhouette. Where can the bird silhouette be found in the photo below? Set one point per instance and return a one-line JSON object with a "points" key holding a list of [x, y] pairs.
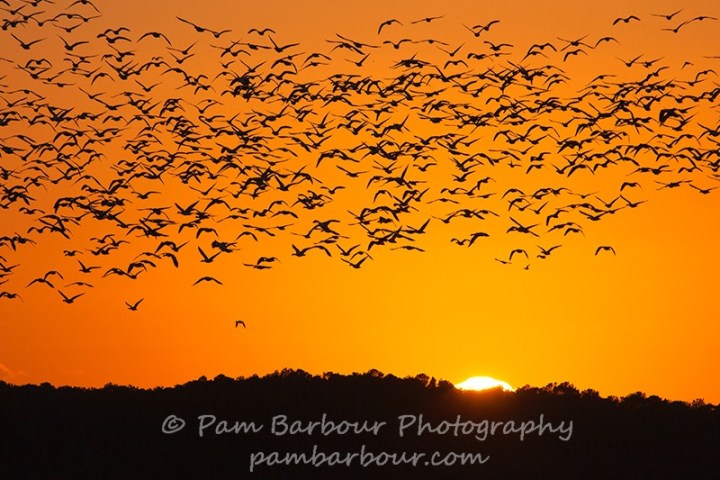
{"points": [[26, 45], [427, 19], [300, 252], [199, 29], [668, 16], [10, 295], [134, 306], [207, 279], [545, 252], [70, 300], [605, 248], [387, 23], [155, 35], [627, 19]]}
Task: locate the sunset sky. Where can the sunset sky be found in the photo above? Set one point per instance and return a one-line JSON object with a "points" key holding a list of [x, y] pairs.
{"points": [[644, 318]]}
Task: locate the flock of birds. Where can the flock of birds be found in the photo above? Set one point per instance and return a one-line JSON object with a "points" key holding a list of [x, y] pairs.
{"points": [[125, 151]]}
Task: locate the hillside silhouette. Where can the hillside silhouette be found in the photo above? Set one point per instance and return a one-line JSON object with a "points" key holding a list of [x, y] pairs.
{"points": [[117, 431]]}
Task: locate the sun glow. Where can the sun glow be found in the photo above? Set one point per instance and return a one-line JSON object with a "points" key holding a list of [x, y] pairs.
{"points": [[483, 383]]}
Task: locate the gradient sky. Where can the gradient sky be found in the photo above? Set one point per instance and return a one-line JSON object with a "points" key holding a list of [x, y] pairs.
{"points": [[644, 319]]}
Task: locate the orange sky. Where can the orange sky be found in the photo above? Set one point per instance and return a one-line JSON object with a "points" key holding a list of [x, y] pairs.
{"points": [[642, 320]]}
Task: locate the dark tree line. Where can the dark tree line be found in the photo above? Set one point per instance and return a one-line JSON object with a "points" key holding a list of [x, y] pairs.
{"points": [[116, 431]]}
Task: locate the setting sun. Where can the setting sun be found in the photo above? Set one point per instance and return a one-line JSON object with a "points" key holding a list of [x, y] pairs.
{"points": [[483, 383]]}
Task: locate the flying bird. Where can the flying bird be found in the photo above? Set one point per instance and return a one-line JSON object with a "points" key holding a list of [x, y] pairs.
{"points": [[625, 19], [26, 45], [207, 279], [545, 252], [70, 300], [10, 295], [387, 23], [262, 31], [668, 16], [134, 306], [155, 35], [300, 252], [427, 19], [199, 29]]}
